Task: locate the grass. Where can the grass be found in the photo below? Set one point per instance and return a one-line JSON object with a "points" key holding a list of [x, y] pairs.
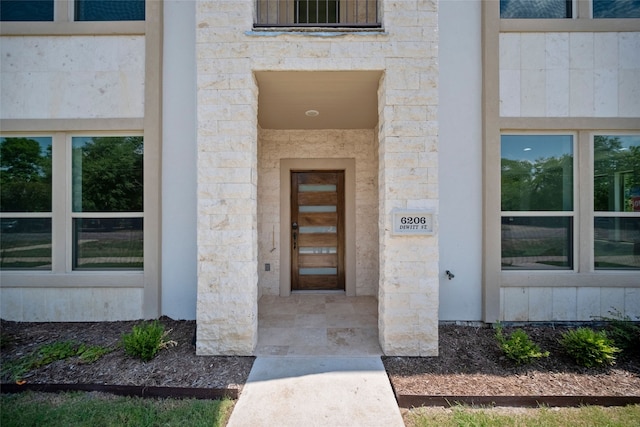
{"points": [[48, 353], [586, 416], [97, 409]]}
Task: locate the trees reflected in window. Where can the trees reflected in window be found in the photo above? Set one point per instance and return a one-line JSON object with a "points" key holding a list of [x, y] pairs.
{"points": [[536, 185], [107, 180], [537, 172], [107, 174], [25, 174], [25, 194], [616, 189]]}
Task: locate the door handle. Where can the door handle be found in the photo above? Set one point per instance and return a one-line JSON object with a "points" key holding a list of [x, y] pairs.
{"points": [[295, 235]]}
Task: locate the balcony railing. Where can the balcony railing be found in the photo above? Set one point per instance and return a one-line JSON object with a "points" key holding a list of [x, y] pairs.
{"points": [[317, 13]]}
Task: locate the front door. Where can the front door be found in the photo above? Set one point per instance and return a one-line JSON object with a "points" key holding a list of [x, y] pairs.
{"points": [[317, 230]]}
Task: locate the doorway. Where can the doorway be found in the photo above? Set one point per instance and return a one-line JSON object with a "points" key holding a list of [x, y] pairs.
{"points": [[346, 168], [317, 230]]}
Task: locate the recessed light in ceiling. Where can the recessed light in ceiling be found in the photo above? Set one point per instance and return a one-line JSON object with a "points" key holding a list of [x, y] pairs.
{"points": [[312, 113]]}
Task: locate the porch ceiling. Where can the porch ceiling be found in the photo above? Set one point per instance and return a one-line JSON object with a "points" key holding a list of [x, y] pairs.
{"points": [[344, 99]]}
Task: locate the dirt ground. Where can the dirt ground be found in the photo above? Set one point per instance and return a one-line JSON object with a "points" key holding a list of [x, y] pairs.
{"points": [[470, 363]]}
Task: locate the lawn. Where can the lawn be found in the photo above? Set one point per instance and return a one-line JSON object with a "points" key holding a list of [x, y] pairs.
{"points": [[587, 416], [99, 409]]}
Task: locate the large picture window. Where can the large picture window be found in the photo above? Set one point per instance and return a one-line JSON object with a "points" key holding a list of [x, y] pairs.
{"points": [[616, 201], [537, 201], [102, 204]]}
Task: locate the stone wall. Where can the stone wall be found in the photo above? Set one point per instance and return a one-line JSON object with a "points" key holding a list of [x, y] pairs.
{"points": [[228, 51], [358, 144]]}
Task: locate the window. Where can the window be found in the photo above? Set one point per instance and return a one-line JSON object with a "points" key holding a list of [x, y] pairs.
{"points": [[537, 202], [25, 202], [107, 202], [26, 10], [616, 8], [102, 203], [109, 10], [315, 12], [616, 201], [83, 10], [536, 9]]}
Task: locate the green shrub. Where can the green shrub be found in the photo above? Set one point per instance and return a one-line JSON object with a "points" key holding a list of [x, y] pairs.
{"points": [[518, 346], [144, 341], [624, 332], [589, 348]]}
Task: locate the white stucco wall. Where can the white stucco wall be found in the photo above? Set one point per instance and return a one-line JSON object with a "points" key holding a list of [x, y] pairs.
{"points": [[179, 255], [570, 74], [55, 77], [460, 160], [361, 145]]}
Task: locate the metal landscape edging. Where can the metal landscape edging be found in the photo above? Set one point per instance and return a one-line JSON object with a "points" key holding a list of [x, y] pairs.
{"points": [[127, 390]]}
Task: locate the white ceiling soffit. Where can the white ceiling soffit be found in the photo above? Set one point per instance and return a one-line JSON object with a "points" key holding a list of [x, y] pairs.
{"points": [[343, 99]]}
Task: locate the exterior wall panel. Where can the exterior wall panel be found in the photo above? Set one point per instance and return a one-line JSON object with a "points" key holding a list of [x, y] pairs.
{"points": [[73, 77]]}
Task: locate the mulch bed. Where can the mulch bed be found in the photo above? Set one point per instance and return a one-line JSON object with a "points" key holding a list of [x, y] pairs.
{"points": [[173, 367], [470, 366]]}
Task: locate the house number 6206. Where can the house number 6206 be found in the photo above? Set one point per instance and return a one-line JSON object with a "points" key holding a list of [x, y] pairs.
{"points": [[413, 220]]}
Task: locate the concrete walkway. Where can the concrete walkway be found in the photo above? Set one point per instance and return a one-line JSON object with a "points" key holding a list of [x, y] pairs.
{"points": [[317, 391]]}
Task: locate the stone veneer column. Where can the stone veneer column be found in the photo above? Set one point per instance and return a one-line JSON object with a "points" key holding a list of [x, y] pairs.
{"points": [[408, 179], [227, 307]]}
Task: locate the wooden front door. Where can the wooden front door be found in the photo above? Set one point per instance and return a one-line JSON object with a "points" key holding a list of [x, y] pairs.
{"points": [[317, 230]]}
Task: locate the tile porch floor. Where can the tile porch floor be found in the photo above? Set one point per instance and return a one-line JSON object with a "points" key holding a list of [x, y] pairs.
{"points": [[317, 325]]}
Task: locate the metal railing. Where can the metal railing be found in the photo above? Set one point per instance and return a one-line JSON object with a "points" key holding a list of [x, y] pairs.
{"points": [[317, 13]]}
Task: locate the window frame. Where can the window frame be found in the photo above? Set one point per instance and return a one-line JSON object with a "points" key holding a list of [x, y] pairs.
{"points": [[71, 215], [573, 213], [62, 273]]}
